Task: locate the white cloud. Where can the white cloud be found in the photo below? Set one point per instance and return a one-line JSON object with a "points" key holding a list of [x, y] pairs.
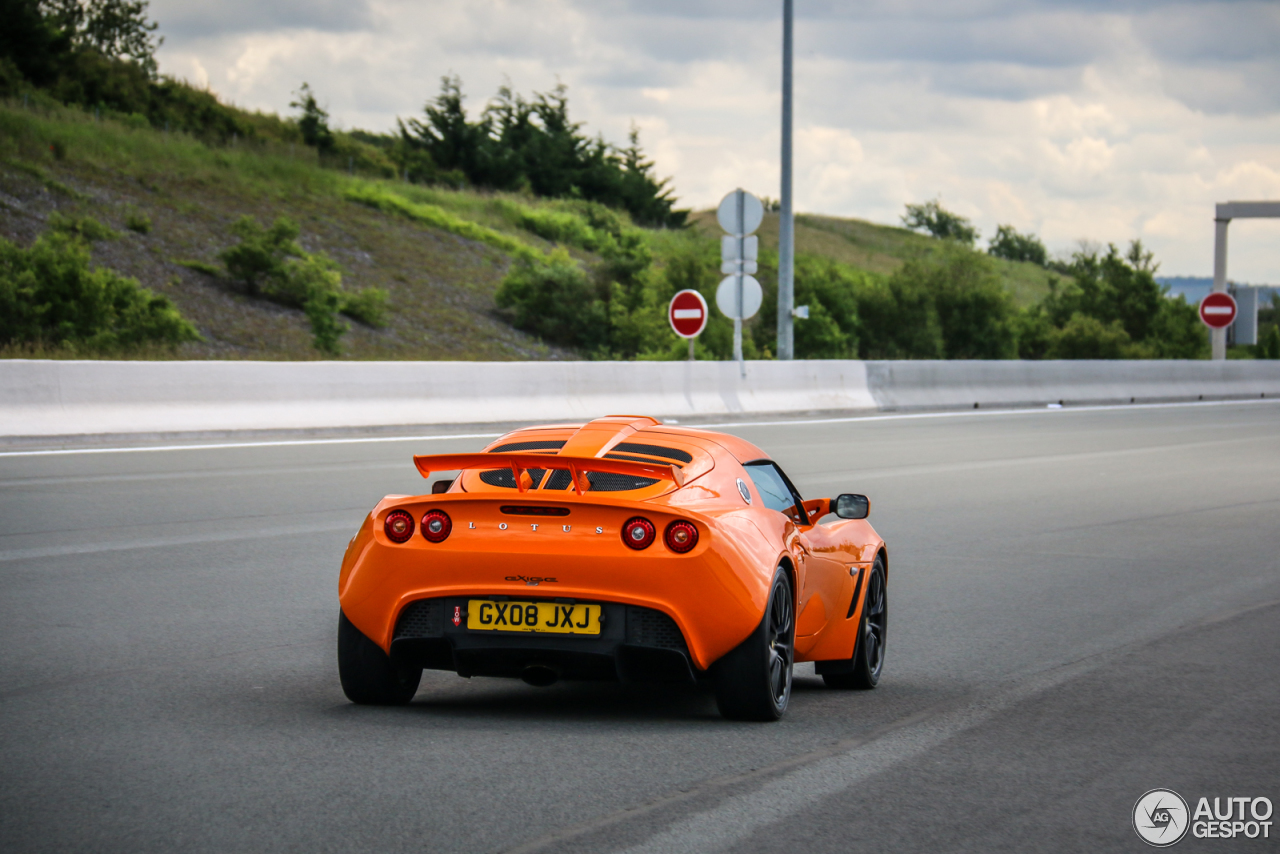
{"points": [[1106, 120]]}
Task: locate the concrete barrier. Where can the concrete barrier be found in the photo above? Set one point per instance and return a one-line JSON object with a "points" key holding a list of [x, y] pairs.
{"points": [[948, 385], [66, 398], [60, 398]]}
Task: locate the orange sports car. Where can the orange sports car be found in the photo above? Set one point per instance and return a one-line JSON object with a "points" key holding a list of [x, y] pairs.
{"points": [[621, 549]]}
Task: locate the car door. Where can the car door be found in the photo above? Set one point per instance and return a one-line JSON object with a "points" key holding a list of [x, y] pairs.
{"points": [[821, 579]]}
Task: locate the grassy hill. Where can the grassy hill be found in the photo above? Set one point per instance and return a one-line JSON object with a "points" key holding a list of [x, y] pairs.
{"points": [[877, 248], [440, 254]]}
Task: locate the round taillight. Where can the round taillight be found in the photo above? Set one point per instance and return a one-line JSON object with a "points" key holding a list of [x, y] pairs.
{"points": [[436, 525], [638, 533], [398, 526], [681, 536]]}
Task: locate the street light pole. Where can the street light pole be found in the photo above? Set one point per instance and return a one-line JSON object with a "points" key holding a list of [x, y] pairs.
{"points": [[786, 225]]}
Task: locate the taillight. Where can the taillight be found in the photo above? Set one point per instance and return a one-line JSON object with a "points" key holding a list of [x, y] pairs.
{"points": [[398, 526], [638, 533], [681, 536], [436, 525]]}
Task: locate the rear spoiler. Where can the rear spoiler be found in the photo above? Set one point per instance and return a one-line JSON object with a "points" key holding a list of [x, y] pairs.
{"points": [[520, 463]]}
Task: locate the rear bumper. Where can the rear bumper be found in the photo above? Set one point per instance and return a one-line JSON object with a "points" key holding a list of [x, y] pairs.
{"points": [[715, 594], [635, 644]]}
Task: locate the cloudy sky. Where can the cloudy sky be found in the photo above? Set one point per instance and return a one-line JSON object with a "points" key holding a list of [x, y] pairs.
{"points": [[1106, 120]]}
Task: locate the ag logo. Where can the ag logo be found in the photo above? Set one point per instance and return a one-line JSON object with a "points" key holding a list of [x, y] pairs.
{"points": [[1160, 817]]}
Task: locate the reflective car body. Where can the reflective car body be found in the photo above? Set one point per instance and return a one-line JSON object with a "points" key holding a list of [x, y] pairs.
{"points": [[540, 518]]}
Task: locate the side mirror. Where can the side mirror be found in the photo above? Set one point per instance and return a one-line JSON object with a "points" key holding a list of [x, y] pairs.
{"points": [[441, 486], [850, 506]]}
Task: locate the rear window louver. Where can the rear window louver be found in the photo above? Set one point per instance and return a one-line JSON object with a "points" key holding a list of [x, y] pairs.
{"points": [[600, 481], [654, 451], [636, 459], [541, 445]]}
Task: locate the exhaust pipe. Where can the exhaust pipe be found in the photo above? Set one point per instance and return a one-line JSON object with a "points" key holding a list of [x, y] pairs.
{"points": [[540, 675]]}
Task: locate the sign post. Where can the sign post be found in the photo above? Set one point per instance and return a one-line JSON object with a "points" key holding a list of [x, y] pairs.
{"points": [[740, 214], [687, 315], [1218, 310]]}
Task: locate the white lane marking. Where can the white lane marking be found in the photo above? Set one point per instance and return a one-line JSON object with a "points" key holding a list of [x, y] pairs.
{"points": [[165, 542], [899, 416], [781, 797], [278, 443], [740, 816]]}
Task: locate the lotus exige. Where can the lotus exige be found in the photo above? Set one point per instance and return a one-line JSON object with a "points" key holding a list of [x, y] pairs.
{"points": [[621, 549]]}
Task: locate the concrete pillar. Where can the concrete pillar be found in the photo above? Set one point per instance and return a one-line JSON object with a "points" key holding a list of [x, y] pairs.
{"points": [[1218, 337]]}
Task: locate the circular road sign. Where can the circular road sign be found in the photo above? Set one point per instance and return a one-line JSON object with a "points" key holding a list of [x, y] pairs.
{"points": [[1218, 310], [742, 219], [727, 297], [688, 314]]}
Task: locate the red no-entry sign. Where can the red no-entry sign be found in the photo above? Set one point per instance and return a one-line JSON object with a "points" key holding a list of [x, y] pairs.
{"points": [[1218, 310], [688, 314]]}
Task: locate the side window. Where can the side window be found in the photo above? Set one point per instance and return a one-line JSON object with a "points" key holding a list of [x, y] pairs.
{"points": [[775, 490]]}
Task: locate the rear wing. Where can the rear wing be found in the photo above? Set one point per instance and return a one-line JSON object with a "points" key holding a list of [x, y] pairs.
{"points": [[520, 463]]}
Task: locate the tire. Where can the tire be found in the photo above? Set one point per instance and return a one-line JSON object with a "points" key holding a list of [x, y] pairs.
{"points": [[753, 681], [869, 649], [368, 674]]}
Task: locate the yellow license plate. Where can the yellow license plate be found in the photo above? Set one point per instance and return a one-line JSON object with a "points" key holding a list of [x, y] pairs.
{"points": [[551, 617]]}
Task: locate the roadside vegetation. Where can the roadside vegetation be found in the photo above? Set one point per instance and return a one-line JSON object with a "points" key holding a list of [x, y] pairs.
{"points": [[503, 234]]}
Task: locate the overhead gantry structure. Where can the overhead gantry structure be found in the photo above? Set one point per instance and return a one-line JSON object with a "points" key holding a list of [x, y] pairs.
{"points": [[1223, 214]]}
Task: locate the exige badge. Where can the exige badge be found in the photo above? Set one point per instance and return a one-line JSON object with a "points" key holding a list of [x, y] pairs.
{"points": [[532, 581]]}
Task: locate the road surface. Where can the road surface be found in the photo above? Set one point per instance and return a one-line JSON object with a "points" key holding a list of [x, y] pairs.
{"points": [[1085, 605]]}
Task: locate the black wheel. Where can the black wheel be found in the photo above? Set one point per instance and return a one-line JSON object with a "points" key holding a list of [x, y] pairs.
{"points": [[368, 675], [868, 652], [753, 681]]}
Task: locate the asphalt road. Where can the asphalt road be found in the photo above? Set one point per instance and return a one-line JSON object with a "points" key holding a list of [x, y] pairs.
{"points": [[1085, 605]]}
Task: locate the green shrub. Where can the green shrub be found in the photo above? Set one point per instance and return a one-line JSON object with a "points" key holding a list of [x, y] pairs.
{"points": [[554, 299], [49, 295], [200, 266], [85, 227], [1269, 346], [1087, 337], [1175, 332], [369, 306], [260, 256], [269, 263], [326, 327], [136, 221]]}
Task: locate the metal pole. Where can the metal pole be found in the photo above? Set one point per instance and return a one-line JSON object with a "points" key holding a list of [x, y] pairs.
{"points": [[737, 321], [786, 229], [1218, 337], [691, 356]]}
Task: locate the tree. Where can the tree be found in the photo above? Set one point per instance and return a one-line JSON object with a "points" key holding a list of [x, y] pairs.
{"points": [[452, 142], [314, 121], [1011, 245], [1111, 308], [117, 29], [1110, 287], [940, 222], [519, 145], [30, 41]]}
